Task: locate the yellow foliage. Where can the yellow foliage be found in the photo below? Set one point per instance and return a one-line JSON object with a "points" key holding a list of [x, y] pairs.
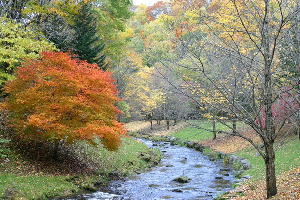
{"points": [[128, 33], [18, 44], [139, 93], [207, 116]]}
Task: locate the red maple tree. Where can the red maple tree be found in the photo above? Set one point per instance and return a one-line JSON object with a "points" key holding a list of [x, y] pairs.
{"points": [[58, 98]]}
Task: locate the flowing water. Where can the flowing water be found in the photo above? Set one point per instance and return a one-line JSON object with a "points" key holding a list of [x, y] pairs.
{"points": [[208, 178]]}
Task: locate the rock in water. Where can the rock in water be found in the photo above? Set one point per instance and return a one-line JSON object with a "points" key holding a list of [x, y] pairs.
{"points": [[182, 179], [177, 190]]}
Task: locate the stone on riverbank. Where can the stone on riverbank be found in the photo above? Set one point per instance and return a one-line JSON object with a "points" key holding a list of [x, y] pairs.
{"points": [[198, 147], [246, 164], [190, 144]]}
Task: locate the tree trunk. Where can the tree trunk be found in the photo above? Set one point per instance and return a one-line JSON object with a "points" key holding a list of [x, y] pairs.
{"points": [[298, 54], [214, 129], [269, 129], [157, 121], [168, 124], [297, 126], [151, 124], [55, 150], [298, 131], [234, 126], [270, 171]]}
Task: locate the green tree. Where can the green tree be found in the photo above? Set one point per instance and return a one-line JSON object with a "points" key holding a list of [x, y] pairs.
{"points": [[89, 45]]}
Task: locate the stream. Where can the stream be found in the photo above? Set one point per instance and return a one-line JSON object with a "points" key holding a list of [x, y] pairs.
{"points": [[208, 178]]}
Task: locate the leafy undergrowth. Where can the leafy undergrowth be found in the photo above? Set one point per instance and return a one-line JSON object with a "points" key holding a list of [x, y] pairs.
{"points": [[23, 178]]}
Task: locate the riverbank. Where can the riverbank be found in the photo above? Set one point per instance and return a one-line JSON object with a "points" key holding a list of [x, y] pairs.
{"points": [[183, 173], [287, 161], [287, 171], [24, 178]]}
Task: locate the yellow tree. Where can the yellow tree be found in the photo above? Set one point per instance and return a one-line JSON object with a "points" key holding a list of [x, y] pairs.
{"points": [[142, 97], [18, 44]]}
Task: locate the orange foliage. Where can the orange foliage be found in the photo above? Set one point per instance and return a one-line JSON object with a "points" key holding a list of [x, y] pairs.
{"points": [[157, 9], [178, 32], [184, 5], [61, 98]]}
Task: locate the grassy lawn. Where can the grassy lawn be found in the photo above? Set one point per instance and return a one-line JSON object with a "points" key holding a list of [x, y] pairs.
{"points": [[198, 134], [287, 158], [125, 161]]}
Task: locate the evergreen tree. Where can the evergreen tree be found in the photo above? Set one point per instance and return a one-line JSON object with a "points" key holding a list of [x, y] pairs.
{"points": [[88, 45]]}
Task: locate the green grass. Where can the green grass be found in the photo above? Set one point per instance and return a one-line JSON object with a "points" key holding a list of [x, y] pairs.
{"points": [[287, 158], [33, 187], [198, 134], [125, 161]]}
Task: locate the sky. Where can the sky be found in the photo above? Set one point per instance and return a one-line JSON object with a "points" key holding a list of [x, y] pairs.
{"points": [[146, 2]]}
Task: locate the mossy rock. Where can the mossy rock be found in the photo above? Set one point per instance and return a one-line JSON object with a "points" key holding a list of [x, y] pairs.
{"points": [[182, 179], [198, 147], [153, 185], [226, 160], [198, 166], [237, 165], [89, 187], [177, 190], [238, 174], [169, 165], [150, 157]]}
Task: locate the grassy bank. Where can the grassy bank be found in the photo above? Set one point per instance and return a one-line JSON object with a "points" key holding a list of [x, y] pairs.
{"points": [[287, 158], [19, 178]]}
